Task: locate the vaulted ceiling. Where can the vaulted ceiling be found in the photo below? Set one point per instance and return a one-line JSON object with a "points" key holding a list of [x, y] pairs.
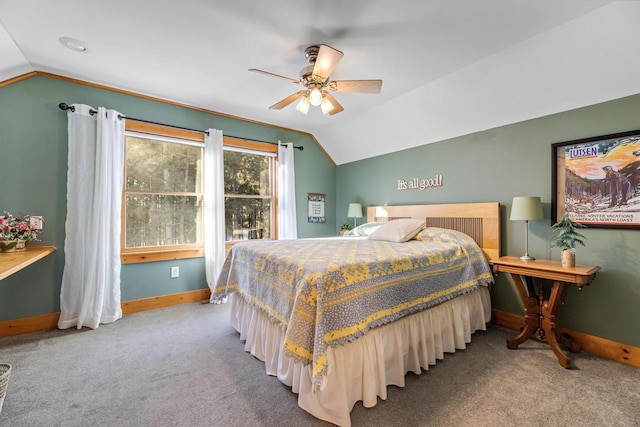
{"points": [[449, 67]]}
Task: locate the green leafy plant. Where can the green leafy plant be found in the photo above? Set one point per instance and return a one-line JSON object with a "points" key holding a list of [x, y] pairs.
{"points": [[346, 226], [565, 234]]}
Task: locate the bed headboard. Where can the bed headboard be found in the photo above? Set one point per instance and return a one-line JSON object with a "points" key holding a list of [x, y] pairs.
{"points": [[481, 221]]}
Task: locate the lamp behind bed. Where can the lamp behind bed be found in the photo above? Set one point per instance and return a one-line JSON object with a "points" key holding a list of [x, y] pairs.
{"points": [[355, 211]]}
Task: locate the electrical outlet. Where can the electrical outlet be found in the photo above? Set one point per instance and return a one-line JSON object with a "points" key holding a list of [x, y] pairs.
{"points": [[36, 222], [175, 272]]}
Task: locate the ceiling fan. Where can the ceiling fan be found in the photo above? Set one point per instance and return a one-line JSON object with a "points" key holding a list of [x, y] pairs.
{"points": [[315, 80]]}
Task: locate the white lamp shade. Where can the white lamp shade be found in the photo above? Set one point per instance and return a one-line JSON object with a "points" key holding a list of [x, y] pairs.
{"points": [[526, 209], [355, 210], [303, 105], [326, 106], [315, 97]]}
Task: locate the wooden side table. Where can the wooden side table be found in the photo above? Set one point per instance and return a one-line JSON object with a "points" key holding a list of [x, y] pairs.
{"points": [[542, 315]]}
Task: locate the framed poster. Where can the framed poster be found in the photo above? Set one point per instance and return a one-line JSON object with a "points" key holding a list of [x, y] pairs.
{"points": [[316, 207], [597, 180]]}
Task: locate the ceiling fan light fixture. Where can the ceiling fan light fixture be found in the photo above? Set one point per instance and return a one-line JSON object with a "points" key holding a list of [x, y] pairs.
{"points": [[326, 106], [316, 81], [315, 97], [303, 105]]}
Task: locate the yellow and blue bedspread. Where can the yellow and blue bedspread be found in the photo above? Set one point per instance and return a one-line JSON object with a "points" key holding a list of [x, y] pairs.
{"points": [[329, 292]]}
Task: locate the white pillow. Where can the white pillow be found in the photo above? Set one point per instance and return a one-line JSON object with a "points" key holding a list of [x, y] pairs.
{"points": [[364, 229], [398, 230]]}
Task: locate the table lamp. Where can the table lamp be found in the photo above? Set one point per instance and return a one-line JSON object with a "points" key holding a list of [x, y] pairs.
{"points": [[355, 211], [526, 209]]}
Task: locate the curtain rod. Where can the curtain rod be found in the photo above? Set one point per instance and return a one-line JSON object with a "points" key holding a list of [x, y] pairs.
{"points": [[64, 106]]}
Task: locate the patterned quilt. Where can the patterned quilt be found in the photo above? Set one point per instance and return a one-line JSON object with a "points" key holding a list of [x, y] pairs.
{"points": [[327, 292]]}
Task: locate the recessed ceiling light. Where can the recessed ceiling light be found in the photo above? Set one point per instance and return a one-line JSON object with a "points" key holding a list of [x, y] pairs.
{"points": [[73, 44]]}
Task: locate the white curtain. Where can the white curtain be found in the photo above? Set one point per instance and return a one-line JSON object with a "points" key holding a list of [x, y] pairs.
{"points": [[287, 224], [214, 233], [90, 292]]}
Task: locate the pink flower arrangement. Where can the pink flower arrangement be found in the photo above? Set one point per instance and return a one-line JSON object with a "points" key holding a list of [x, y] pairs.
{"points": [[12, 228]]}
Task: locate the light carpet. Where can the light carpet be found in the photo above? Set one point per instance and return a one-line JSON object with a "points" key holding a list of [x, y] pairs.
{"points": [[185, 366]]}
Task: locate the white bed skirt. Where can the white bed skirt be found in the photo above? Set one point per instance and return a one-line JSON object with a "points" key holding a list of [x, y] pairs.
{"points": [[362, 370]]}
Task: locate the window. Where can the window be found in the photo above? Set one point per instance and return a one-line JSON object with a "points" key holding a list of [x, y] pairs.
{"points": [[162, 195], [249, 187], [163, 192]]}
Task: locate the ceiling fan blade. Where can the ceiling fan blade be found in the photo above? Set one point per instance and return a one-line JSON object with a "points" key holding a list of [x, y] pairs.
{"points": [[358, 86], [266, 73], [326, 61], [336, 105], [288, 100]]}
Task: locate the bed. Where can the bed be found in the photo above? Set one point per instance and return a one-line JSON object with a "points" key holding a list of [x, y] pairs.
{"points": [[338, 320]]}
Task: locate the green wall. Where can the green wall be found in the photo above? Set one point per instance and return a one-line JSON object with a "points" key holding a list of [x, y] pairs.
{"points": [[494, 165], [515, 160], [33, 154]]}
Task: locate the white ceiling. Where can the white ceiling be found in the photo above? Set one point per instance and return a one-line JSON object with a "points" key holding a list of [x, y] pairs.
{"points": [[450, 67]]}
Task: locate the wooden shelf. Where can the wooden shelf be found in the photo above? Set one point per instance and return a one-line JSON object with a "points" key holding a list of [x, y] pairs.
{"points": [[12, 262]]}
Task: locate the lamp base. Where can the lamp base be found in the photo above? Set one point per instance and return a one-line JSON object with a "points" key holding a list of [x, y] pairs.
{"points": [[527, 258]]}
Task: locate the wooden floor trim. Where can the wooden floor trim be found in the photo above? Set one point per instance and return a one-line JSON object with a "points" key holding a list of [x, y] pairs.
{"points": [[45, 322], [602, 347], [153, 303], [27, 325]]}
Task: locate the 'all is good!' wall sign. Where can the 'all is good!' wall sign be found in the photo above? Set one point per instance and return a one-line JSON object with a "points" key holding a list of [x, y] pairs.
{"points": [[420, 184]]}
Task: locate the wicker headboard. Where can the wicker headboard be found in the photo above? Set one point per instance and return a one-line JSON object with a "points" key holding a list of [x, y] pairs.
{"points": [[481, 221]]}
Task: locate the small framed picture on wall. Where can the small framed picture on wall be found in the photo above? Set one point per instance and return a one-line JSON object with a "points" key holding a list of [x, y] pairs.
{"points": [[316, 207]]}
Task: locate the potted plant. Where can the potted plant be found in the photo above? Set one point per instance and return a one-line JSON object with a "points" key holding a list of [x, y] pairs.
{"points": [[565, 236], [16, 233], [345, 227]]}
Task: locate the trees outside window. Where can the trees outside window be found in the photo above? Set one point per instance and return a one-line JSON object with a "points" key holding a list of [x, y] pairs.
{"points": [[163, 192], [249, 194]]}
